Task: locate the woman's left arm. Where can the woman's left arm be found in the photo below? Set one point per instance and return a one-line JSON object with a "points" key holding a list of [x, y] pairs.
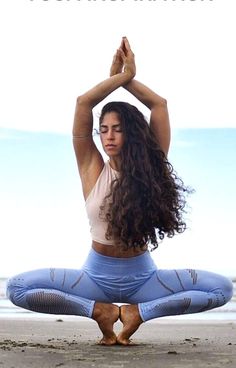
{"points": [[159, 119]]}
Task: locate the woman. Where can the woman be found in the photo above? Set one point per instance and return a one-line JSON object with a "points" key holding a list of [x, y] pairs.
{"points": [[132, 201]]}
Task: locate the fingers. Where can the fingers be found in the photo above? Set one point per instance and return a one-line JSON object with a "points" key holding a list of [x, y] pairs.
{"points": [[115, 57], [123, 59], [122, 55], [117, 64], [126, 43], [122, 43], [119, 57], [126, 46]]}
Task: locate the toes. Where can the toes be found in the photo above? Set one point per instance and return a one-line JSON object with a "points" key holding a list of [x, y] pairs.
{"points": [[124, 342], [120, 317], [107, 342]]}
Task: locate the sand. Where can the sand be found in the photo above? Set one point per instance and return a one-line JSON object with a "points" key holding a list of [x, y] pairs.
{"points": [[71, 342]]}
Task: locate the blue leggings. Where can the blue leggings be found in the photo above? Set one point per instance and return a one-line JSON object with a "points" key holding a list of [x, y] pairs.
{"points": [[134, 280]]}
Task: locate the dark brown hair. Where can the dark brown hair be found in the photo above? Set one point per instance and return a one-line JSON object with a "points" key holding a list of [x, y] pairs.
{"points": [[147, 201]]}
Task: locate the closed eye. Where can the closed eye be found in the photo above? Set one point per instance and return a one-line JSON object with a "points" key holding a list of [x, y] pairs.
{"points": [[118, 129], [115, 128], [103, 130]]}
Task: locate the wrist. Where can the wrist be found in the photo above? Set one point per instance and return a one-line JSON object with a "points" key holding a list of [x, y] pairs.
{"points": [[129, 83], [124, 77], [130, 75]]}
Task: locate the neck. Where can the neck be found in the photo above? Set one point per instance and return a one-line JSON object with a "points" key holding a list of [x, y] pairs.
{"points": [[115, 163]]}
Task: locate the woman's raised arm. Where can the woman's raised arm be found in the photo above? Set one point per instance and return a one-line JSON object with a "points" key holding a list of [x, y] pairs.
{"points": [[89, 159], [85, 149], [159, 119]]}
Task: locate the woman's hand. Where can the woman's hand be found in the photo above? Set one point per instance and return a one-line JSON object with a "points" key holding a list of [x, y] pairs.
{"points": [[117, 64], [127, 56], [123, 60]]}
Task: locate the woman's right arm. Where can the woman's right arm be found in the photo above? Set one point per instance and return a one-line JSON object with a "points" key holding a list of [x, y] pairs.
{"points": [[83, 119], [88, 157]]}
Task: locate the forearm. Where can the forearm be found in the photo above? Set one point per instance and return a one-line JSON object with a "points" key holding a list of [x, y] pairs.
{"points": [[144, 94], [83, 121], [103, 89]]}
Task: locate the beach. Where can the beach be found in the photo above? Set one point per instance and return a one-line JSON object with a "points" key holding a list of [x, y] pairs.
{"points": [[72, 342], [37, 340]]}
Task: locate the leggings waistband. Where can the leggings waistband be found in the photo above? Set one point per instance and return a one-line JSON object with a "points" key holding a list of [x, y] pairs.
{"points": [[101, 264]]}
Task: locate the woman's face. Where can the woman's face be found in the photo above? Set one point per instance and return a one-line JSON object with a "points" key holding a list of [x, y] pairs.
{"points": [[112, 136]]}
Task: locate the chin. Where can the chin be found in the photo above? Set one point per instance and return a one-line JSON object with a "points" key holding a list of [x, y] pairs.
{"points": [[112, 154]]}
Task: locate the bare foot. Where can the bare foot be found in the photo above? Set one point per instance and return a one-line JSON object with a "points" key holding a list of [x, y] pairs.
{"points": [[106, 315], [130, 317]]}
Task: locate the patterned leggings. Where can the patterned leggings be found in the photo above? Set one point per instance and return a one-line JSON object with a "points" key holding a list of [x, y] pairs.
{"points": [[134, 280]]}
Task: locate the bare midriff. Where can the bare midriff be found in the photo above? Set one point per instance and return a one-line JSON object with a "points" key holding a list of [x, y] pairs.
{"points": [[116, 250]]}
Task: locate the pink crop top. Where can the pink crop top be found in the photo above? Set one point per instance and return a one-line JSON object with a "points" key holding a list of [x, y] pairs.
{"points": [[98, 226]]}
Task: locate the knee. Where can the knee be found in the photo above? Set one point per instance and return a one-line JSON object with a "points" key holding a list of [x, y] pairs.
{"points": [[16, 289], [227, 288], [218, 284], [223, 289]]}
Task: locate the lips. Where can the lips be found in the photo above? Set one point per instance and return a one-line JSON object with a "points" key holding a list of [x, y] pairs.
{"points": [[110, 146]]}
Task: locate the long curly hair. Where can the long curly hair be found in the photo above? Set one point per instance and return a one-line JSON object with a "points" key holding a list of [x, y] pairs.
{"points": [[147, 200]]}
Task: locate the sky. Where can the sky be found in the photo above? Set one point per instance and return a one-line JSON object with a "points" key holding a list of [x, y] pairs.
{"points": [[53, 51]]}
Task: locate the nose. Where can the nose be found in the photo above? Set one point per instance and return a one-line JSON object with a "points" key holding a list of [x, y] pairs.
{"points": [[110, 134]]}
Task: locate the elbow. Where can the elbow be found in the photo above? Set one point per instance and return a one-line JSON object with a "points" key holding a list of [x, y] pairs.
{"points": [[83, 101], [79, 100], [162, 102], [158, 103]]}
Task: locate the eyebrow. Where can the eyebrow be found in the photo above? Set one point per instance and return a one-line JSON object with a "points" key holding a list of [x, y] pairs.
{"points": [[113, 126]]}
